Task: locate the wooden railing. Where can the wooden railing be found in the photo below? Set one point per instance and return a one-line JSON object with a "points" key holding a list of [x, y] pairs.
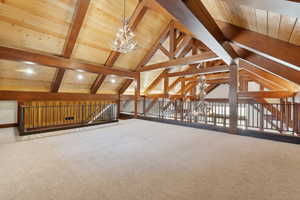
{"points": [[44, 118], [268, 117]]}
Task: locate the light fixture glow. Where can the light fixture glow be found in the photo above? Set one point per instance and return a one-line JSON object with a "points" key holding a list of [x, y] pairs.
{"points": [[125, 41], [79, 76], [79, 70], [29, 63], [201, 107], [29, 71], [113, 80]]}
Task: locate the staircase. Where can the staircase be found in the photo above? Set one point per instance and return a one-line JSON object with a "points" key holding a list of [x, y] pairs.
{"points": [[99, 114]]}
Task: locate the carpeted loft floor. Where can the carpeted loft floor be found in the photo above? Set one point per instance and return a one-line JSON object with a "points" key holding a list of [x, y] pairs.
{"points": [[139, 160]]}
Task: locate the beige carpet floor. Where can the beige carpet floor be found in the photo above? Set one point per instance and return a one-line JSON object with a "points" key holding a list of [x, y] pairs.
{"points": [[137, 160]]}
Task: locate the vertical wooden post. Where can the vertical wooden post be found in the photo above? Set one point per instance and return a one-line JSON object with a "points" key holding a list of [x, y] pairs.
{"points": [[294, 120], [261, 87], [282, 111], [137, 94], [233, 99], [243, 84], [176, 109], [182, 88], [261, 117], [144, 105], [172, 41], [181, 109], [119, 107], [166, 86]]}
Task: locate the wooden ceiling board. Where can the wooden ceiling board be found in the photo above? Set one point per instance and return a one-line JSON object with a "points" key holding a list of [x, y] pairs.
{"points": [[277, 26], [17, 70], [262, 21], [71, 82], [146, 33], [295, 37], [111, 88], [286, 27], [39, 25], [99, 29], [273, 24], [24, 85]]}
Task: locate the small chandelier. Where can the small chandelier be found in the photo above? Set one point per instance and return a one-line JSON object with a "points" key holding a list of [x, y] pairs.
{"points": [[125, 41], [201, 107]]}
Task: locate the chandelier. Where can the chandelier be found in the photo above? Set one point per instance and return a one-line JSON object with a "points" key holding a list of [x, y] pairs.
{"points": [[200, 108], [125, 41]]}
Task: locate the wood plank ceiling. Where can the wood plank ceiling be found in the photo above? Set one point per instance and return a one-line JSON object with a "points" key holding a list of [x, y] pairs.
{"points": [[282, 27], [44, 26]]}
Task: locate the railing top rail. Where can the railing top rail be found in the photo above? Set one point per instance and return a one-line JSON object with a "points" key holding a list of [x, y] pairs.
{"points": [[71, 105]]}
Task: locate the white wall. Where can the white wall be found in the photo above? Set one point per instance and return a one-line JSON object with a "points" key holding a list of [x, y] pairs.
{"points": [[221, 92], [253, 87], [8, 112]]}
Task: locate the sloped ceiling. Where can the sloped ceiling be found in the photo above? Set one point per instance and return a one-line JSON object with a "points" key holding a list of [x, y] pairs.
{"points": [[43, 25], [282, 27]]}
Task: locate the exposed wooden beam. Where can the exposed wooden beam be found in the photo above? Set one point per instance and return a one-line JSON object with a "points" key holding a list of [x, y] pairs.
{"points": [[283, 83], [270, 66], [164, 50], [263, 45], [156, 81], [203, 57], [267, 94], [125, 85], [162, 37], [97, 83], [58, 77], [186, 49], [208, 89], [166, 85], [174, 84], [137, 94], [135, 19], [180, 38], [233, 99], [172, 41], [183, 87], [46, 96], [216, 69], [19, 55], [186, 41], [211, 87], [284, 7], [78, 18], [190, 88], [195, 17], [260, 80], [224, 80]]}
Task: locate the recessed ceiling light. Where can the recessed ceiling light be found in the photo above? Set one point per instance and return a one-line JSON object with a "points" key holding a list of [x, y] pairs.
{"points": [[29, 63], [113, 80], [80, 76], [29, 71]]}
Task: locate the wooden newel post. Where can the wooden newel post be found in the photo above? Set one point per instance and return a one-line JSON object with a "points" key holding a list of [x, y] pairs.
{"points": [[233, 99], [137, 94]]}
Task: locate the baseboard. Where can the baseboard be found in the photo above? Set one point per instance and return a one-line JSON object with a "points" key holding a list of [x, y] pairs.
{"points": [[8, 125]]}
